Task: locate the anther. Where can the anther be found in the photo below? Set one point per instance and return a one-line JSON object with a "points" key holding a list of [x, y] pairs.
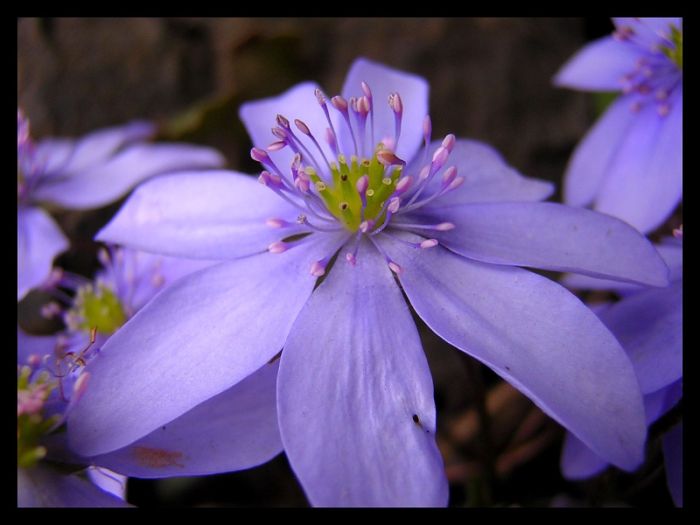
{"points": [[282, 121], [387, 158], [318, 268], [395, 267], [302, 127], [278, 247], [449, 142], [429, 243], [277, 145], [445, 226]]}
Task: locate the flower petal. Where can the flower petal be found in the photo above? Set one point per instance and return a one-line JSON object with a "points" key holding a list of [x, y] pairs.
{"points": [[96, 148], [599, 66], [537, 336], [592, 158], [43, 486], [298, 102], [28, 345], [204, 215], [201, 336], [673, 458], [578, 461], [384, 80], [39, 240], [649, 326], [553, 237], [355, 396], [234, 430], [487, 177], [645, 183], [103, 183]]}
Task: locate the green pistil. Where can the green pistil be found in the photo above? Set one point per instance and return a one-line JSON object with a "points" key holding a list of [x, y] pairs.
{"points": [[675, 51], [99, 309], [341, 197]]}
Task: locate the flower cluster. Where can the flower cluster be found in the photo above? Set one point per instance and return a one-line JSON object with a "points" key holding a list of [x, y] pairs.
{"points": [[235, 318]]}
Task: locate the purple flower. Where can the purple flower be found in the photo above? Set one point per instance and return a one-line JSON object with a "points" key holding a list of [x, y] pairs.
{"points": [[82, 174], [629, 165], [216, 436], [648, 323], [339, 201]]}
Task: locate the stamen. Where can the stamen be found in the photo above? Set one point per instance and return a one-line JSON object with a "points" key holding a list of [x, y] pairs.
{"points": [[390, 262], [322, 102], [341, 105], [306, 131], [442, 227], [397, 107], [332, 141], [368, 95]]}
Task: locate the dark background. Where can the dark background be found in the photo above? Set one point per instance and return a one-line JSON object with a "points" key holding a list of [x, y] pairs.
{"points": [[490, 80]]}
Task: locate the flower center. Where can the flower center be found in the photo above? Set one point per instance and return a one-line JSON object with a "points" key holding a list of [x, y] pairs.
{"points": [[359, 188], [357, 192], [96, 308], [32, 392], [658, 73]]}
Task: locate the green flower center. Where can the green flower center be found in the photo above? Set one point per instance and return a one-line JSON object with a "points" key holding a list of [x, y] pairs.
{"points": [[342, 198], [31, 423], [97, 308]]}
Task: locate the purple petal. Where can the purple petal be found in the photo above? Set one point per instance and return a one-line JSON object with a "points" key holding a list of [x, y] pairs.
{"points": [[355, 396], [553, 237], [578, 461], [487, 176], [383, 81], [298, 102], [138, 276], [28, 345], [51, 155], [39, 240], [644, 184], [599, 66], [673, 457], [96, 148], [537, 336], [649, 326], [204, 215], [42, 486], [592, 158], [201, 336], [234, 430], [105, 182]]}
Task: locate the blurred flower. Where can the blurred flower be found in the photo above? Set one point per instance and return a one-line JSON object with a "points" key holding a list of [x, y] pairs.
{"points": [[629, 165], [355, 395], [235, 430], [648, 322], [82, 174]]}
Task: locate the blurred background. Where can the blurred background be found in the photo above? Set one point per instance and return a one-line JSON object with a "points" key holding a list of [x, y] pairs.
{"points": [[490, 80]]}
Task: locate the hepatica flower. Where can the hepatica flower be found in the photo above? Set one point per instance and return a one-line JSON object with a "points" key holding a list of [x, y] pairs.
{"points": [[630, 163], [234, 430], [356, 197], [648, 323], [81, 174]]}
